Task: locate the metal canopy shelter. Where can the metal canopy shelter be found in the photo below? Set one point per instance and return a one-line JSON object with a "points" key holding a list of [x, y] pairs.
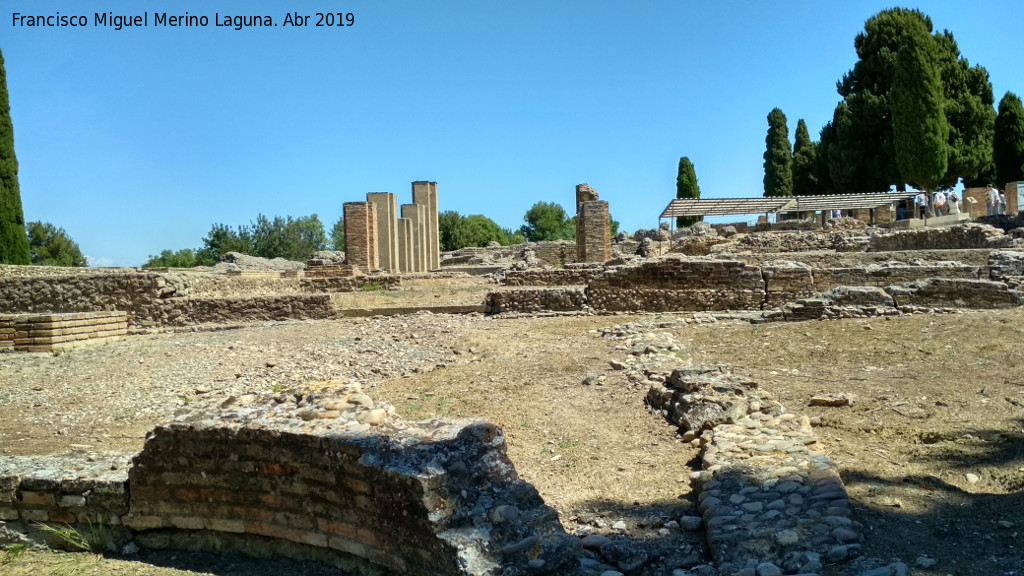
{"points": [[847, 201], [731, 206], [725, 206]]}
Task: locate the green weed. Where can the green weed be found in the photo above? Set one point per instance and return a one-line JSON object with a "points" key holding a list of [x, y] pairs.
{"points": [[96, 539]]}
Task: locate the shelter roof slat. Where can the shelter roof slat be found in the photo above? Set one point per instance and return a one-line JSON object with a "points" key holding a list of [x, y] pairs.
{"points": [[731, 206]]}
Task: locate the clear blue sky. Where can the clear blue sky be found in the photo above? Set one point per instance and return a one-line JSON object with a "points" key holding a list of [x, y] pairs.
{"points": [[138, 140]]}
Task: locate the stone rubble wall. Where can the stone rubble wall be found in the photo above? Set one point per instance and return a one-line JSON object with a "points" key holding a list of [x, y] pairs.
{"points": [[350, 284], [71, 489], [221, 286], [556, 277], [323, 473], [674, 284], [185, 311], [19, 271], [962, 237], [143, 295], [164, 299], [882, 276], [767, 493], [535, 300]]}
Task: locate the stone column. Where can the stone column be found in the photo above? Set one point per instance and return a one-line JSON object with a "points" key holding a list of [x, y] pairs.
{"points": [[360, 235], [425, 194], [416, 213], [405, 253], [387, 229]]}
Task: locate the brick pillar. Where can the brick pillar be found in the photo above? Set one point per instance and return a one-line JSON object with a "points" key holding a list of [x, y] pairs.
{"points": [[596, 244], [405, 253], [416, 213], [360, 235], [425, 194], [584, 193], [387, 229]]}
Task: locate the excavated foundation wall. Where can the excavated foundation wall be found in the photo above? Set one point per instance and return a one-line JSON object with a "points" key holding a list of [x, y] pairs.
{"points": [[143, 295], [702, 285], [331, 476], [174, 298]]}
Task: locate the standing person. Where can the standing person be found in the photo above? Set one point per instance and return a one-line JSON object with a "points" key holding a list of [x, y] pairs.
{"points": [[954, 202], [939, 200], [993, 200], [921, 200], [1001, 204]]}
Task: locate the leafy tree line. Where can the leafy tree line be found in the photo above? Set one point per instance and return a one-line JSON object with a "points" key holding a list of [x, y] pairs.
{"points": [[277, 237], [543, 221], [51, 246], [913, 111], [457, 231]]}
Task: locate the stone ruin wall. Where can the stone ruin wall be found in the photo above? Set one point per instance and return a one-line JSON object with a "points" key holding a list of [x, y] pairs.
{"points": [[561, 277], [532, 300], [176, 299], [593, 236], [144, 295], [325, 475], [556, 253], [705, 285]]}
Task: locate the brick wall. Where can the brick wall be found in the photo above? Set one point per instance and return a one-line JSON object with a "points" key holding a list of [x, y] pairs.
{"points": [[47, 332], [361, 235], [595, 244], [339, 477]]}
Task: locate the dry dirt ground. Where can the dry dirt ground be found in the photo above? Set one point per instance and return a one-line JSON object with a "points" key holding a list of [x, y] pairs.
{"points": [[931, 448]]}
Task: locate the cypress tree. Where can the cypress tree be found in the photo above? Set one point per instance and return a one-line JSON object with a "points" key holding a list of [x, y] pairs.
{"points": [[778, 158], [919, 125], [805, 160], [13, 237], [1008, 147], [686, 187]]}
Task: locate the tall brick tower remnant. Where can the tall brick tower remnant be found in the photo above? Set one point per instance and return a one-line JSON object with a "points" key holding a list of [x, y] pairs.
{"points": [[593, 226], [361, 235]]}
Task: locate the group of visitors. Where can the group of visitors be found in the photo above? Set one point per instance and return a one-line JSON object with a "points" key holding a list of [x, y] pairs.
{"points": [[996, 201], [942, 203]]}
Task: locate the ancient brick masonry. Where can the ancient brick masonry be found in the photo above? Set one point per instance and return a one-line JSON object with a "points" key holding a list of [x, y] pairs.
{"points": [[593, 232], [46, 332], [320, 472], [361, 235]]}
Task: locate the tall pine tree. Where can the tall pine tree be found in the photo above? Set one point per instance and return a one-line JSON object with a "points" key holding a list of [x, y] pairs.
{"points": [[920, 130], [805, 160], [1008, 147], [778, 157], [686, 187], [13, 238], [866, 155]]}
